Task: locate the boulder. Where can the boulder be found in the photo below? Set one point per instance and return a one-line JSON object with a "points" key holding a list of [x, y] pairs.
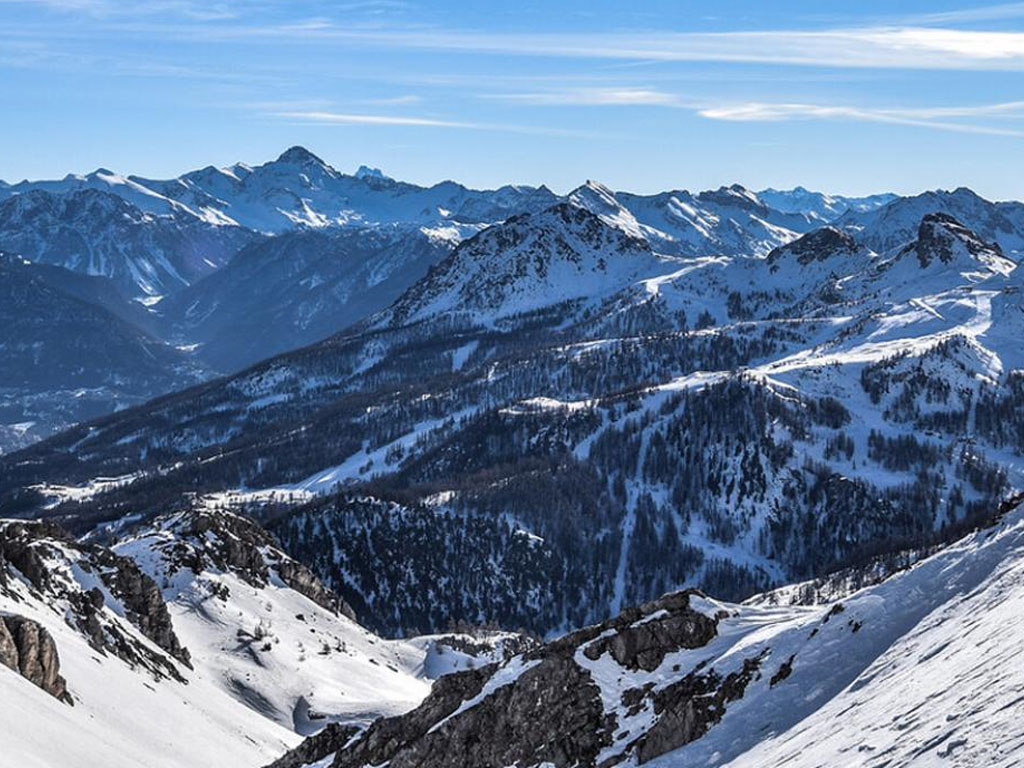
{"points": [[35, 653]]}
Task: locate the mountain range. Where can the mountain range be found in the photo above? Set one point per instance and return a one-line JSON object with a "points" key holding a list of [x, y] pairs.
{"points": [[436, 476], [225, 267]]}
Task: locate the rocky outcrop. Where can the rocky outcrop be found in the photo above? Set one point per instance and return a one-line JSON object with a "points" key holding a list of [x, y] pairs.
{"points": [[20, 546], [547, 707], [301, 579], [229, 542], [819, 245], [45, 556], [940, 233], [687, 709], [8, 648], [640, 644], [324, 744], [28, 648], [143, 603]]}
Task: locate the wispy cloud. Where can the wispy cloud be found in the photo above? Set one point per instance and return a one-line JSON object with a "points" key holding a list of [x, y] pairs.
{"points": [[998, 12], [621, 96], [938, 118], [395, 101], [188, 9], [344, 118], [349, 118], [943, 118], [908, 47]]}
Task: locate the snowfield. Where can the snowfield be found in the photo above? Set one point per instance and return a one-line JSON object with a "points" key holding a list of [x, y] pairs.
{"points": [[268, 665]]}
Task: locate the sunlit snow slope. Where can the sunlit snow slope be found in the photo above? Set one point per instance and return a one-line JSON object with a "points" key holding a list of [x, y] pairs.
{"points": [[250, 654]]}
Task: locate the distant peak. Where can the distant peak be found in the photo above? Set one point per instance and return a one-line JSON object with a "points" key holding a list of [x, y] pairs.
{"points": [[299, 156], [944, 238], [938, 217], [102, 172], [366, 172], [732, 194], [820, 245], [594, 193]]}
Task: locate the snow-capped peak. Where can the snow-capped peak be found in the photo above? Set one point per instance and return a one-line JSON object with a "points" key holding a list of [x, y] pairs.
{"points": [[366, 172], [565, 253], [944, 240], [735, 194], [299, 156], [819, 245], [601, 201]]}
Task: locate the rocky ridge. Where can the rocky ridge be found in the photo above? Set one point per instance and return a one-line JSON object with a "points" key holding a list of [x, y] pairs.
{"points": [[96, 588]]}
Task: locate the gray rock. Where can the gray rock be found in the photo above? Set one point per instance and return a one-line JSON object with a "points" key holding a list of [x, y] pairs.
{"points": [[552, 712], [329, 741], [8, 648], [687, 709], [37, 657], [143, 602], [242, 546], [644, 643], [28, 545]]}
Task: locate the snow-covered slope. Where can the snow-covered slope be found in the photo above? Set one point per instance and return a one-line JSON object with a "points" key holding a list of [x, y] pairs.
{"points": [[730, 221], [896, 223], [262, 627], [97, 232], [132, 701], [818, 205], [566, 253], [921, 670], [299, 287], [193, 642]]}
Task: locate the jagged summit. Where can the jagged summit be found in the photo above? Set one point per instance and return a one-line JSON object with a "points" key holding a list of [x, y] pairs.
{"points": [[601, 201], [594, 196], [735, 194], [819, 245], [943, 240], [366, 172], [299, 155], [566, 253]]}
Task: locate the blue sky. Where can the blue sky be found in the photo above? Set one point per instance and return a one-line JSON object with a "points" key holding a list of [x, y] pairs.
{"points": [[645, 95]]}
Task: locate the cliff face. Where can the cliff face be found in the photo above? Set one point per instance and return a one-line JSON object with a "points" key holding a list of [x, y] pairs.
{"points": [[548, 706], [48, 559], [880, 670], [28, 649]]}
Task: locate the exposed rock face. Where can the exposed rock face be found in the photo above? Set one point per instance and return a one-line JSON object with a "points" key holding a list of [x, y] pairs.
{"points": [[42, 552], [938, 235], [8, 648], [687, 709], [27, 647], [819, 245], [944, 240], [18, 546], [546, 707], [324, 744], [149, 612], [386, 739], [643, 644], [144, 605], [231, 542]]}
